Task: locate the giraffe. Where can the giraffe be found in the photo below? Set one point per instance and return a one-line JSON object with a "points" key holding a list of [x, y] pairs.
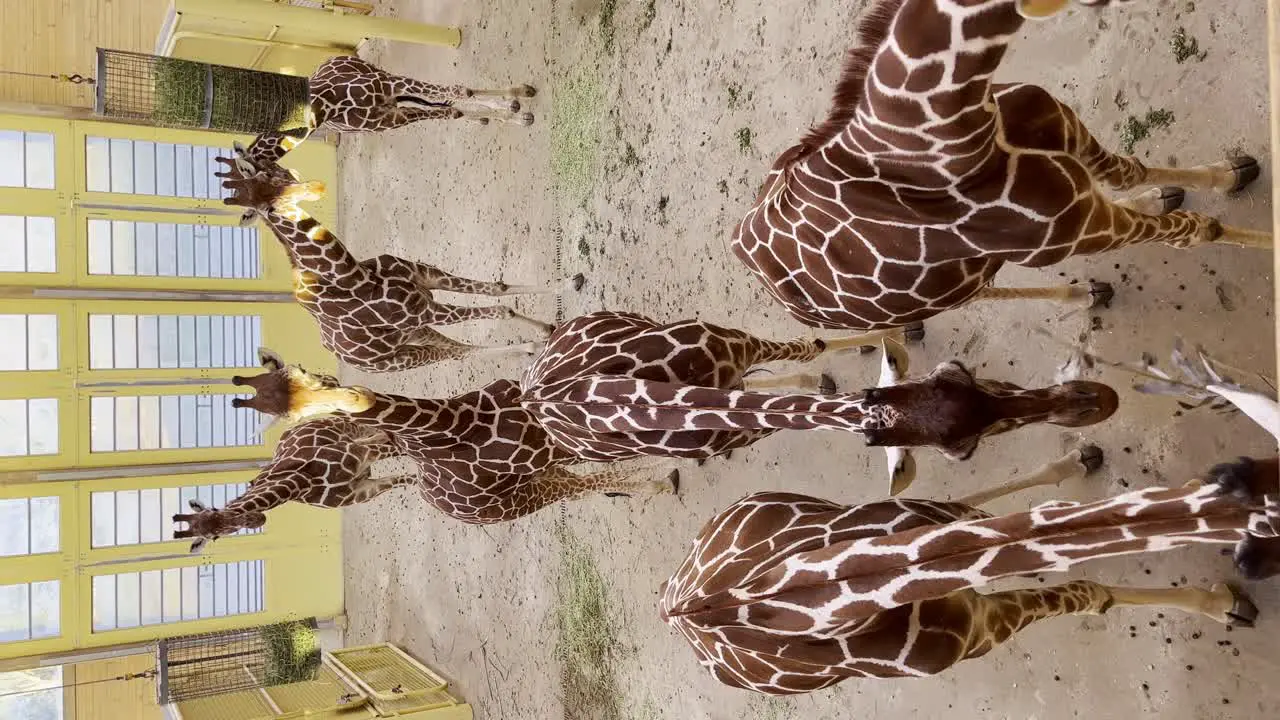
{"points": [[349, 94], [927, 177], [481, 458], [377, 314], [324, 462], [784, 593], [610, 386]]}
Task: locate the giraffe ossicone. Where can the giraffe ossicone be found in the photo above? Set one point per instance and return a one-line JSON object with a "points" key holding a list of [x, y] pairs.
{"points": [[784, 593], [926, 178]]}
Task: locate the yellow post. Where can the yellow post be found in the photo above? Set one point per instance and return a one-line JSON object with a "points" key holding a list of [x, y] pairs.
{"points": [[363, 26]]}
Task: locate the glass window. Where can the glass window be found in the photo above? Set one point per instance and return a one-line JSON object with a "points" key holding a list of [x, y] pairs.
{"points": [[30, 342], [28, 427], [34, 694], [29, 159], [157, 597], [27, 244], [141, 167], [129, 248], [30, 611], [30, 526], [129, 517]]}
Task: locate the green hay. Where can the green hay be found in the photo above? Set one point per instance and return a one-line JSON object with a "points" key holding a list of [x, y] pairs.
{"points": [[293, 653], [243, 100], [1136, 129], [587, 639], [575, 135]]}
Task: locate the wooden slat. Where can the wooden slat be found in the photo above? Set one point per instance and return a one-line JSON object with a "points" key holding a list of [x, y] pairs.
{"points": [[59, 36]]}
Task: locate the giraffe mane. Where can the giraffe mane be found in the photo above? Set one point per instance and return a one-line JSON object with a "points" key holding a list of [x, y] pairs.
{"points": [[873, 28]]}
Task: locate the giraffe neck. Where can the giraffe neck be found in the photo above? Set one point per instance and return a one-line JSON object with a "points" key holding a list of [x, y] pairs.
{"points": [[271, 488], [623, 404], [314, 253], [881, 571], [425, 422], [923, 88]]}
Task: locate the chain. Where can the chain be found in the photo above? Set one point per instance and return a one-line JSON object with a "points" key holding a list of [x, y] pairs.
{"points": [[76, 79], [145, 674]]}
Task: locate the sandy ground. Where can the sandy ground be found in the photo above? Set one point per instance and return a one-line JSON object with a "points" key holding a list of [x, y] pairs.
{"points": [[660, 120]]}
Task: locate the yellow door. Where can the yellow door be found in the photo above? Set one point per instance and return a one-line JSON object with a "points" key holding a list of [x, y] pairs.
{"points": [[90, 381]]}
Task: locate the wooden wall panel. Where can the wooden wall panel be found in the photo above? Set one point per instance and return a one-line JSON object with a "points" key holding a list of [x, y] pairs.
{"points": [[116, 699], [59, 36]]}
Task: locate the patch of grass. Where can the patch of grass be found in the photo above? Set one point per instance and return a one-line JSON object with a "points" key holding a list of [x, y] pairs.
{"points": [[586, 640], [584, 247], [1186, 47], [647, 16], [663, 202], [772, 708], [734, 91], [1136, 129], [608, 31], [1121, 100], [744, 139], [723, 187], [630, 158], [575, 135]]}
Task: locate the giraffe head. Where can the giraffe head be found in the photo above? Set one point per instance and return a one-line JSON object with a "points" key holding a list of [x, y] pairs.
{"points": [[290, 393], [207, 523], [953, 411], [264, 186], [1040, 9]]}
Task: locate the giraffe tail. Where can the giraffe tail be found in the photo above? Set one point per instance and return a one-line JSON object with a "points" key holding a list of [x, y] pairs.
{"points": [[876, 573], [611, 403]]}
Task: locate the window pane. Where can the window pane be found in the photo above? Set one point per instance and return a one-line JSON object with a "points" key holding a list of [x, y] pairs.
{"points": [[126, 341], [148, 341], [127, 517], [127, 423], [169, 422], [104, 603], [190, 593], [13, 428], [149, 423], [145, 235], [172, 583], [46, 609], [40, 161], [187, 420], [186, 251], [42, 342], [42, 419], [101, 342], [144, 167], [41, 698], [149, 510], [15, 612], [121, 165], [123, 251], [169, 506], [167, 250], [128, 600], [13, 150], [103, 518], [182, 157], [13, 244], [13, 349], [168, 341], [152, 598], [46, 525], [97, 162], [164, 169], [100, 247], [102, 424], [206, 591], [14, 532], [41, 245]]}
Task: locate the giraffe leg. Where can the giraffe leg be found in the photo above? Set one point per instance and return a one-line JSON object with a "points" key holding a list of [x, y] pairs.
{"points": [[613, 482], [872, 339], [821, 384], [1178, 228], [1094, 294], [453, 314], [1075, 464], [367, 488], [433, 278]]}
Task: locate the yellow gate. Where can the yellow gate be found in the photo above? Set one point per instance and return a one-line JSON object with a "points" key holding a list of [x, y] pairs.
{"points": [[125, 306]]}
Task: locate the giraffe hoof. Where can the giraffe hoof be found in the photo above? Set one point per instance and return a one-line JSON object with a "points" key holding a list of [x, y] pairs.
{"points": [[913, 332], [525, 119], [525, 91], [514, 106], [866, 349], [1245, 170], [1234, 479], [673, 478], [482, 121], [826, 386], [1169, 198], [579, 281], [1243, 612], [616, 494], [700, 462], [1091, 458], [1101, 294]]}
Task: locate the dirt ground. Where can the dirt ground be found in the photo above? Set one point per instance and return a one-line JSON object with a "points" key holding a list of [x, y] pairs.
{"points": [[656, 121]]}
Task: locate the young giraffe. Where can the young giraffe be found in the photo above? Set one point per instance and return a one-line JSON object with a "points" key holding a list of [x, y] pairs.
{"points": [[926, 178], [481, 457], [610, 386], [377, 314], [784, 593], [325, 462], [348, 94]]}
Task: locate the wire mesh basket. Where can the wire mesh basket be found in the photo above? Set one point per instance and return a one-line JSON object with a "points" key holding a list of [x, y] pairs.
{"points": [[169, 92], [197, 666]]}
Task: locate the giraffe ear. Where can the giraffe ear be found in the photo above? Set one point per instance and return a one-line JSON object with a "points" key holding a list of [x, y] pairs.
{"points": [[267, 422], [196, 505], [955, 371], [270, 359], [198, 545]]}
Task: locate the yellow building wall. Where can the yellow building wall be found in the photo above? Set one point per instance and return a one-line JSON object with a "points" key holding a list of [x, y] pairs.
{"points": [[109, 699], [60, 36]]}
